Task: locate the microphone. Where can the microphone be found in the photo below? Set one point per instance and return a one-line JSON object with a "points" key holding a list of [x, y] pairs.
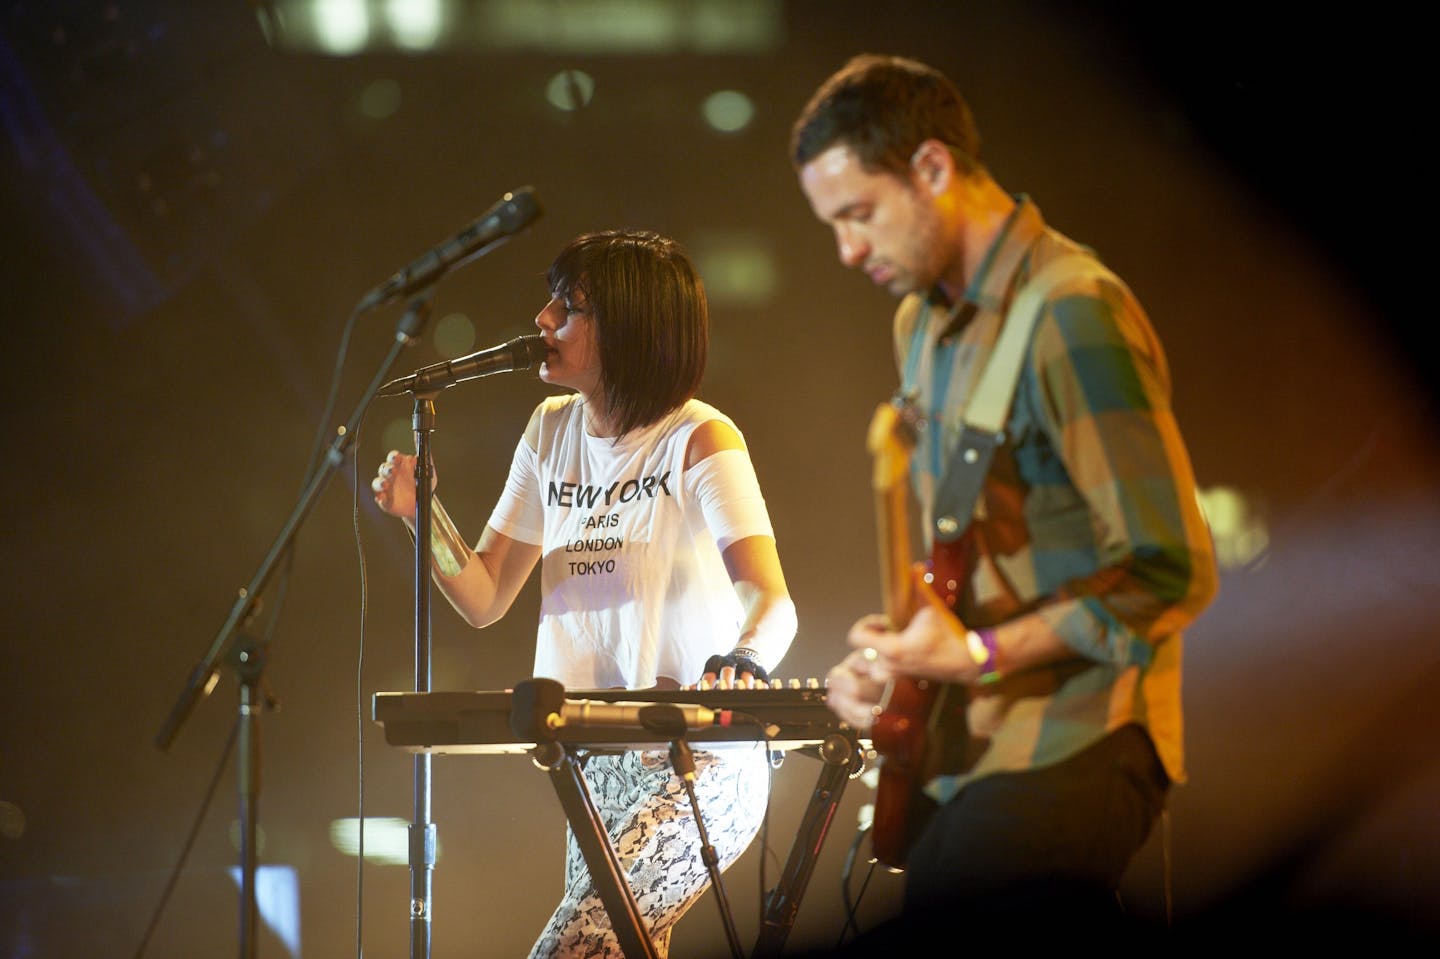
{"points": [[538, 708], [668, 718], [521, 353], [514, 212]]}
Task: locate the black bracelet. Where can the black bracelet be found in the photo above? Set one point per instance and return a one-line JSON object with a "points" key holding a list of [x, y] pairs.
{"points": [[742, 664]]}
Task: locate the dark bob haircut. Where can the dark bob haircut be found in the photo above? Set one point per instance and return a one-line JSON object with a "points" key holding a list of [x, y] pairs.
{"points": [[652, 320]]}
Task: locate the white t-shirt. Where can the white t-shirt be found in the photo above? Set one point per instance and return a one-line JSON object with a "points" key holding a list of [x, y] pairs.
{"points": [[632, 583]]}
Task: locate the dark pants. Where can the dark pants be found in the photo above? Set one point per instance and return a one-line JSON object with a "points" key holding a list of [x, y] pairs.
{"points": [[1016, 857], [1064, 834]]}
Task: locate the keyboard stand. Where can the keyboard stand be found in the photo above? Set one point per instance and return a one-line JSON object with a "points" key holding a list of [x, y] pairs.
{"points": [[841, 760], [600, 856]]}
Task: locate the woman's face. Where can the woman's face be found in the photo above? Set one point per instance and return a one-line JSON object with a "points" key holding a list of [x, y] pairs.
{"points": [[573, 359]]}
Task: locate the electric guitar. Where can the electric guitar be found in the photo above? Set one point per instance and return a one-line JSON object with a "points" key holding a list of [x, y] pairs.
{"points": [[921, 723]]}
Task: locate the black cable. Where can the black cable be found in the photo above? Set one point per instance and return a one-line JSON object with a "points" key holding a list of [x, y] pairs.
{"points": [[765, 822], [322, 429], [359, 704], [189, 840], [852, 907], [738, 718]]}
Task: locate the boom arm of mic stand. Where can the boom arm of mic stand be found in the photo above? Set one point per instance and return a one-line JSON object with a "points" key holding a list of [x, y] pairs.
{"points": [[203, 678]]}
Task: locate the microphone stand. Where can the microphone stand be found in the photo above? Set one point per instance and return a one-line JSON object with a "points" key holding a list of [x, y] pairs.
{"points": [[683, 761], [248, 657], [422, 830]]}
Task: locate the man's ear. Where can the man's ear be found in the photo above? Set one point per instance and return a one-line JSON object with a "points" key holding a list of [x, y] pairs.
{"points": [[933, 166]]}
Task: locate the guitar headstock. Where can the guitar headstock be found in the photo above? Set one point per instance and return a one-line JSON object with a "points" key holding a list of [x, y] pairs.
{"points": [[890, 440]]}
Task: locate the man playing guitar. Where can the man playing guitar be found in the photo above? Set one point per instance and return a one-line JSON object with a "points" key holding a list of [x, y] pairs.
{"points": [[1084, 555]]}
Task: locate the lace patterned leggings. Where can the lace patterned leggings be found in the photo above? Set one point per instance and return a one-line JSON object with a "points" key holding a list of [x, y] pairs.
{"points": [[646, 811]]}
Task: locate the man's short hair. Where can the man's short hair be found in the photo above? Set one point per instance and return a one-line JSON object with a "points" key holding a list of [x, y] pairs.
{"points": [[883, 108]]}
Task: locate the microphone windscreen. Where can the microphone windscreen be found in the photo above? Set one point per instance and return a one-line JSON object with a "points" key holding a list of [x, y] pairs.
{"points": [[534, 349], [531, 703]]}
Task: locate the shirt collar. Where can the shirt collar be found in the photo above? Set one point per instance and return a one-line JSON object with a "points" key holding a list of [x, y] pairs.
{"points": [[991, 283]]}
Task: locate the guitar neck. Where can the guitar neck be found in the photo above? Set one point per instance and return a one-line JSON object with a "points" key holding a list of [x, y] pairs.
{"points": [[915, 718], [889, 441], [898, 588]]}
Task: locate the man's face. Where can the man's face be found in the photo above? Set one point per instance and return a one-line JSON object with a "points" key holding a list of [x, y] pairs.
{"points": [[885, 225]]}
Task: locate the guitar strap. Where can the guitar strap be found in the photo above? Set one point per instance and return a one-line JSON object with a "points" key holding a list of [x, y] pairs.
{"points": [[982, 428]]}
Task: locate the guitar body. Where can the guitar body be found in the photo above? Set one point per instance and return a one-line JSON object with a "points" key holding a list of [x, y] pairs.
{"points": [[921, 729], [903, 736]]}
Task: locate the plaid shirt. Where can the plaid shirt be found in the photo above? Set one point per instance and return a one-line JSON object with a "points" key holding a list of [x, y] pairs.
{"points": [[1088, 528]]}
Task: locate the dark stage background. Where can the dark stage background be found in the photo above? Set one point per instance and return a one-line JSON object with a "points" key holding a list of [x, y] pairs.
{"points": [[191, 212]]}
